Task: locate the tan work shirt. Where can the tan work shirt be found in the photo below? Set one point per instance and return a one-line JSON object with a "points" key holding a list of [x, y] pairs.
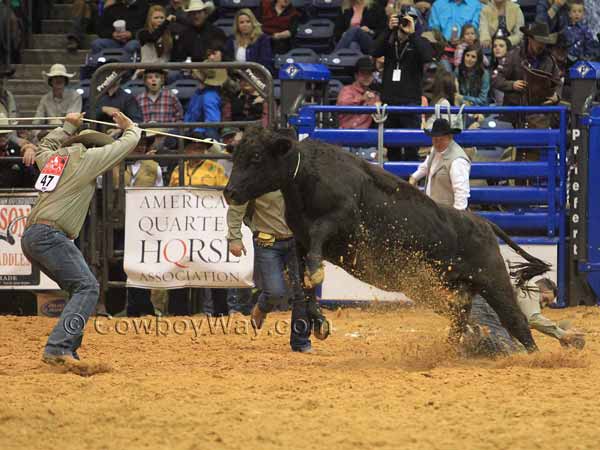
{"points": [[268, 217], [67, 205]]}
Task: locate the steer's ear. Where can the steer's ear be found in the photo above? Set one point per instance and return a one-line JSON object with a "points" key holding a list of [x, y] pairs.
{"points": [[280, 147]]}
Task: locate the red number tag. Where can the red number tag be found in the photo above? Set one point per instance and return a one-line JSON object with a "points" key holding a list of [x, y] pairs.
{"points": [[51, 173]]}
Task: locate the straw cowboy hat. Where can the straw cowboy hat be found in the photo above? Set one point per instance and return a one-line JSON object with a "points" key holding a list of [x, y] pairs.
{"points": [[441, 127], [90, 139], [540, 31], [58, 70], [211, 77], [199, 5], [4, 121]]}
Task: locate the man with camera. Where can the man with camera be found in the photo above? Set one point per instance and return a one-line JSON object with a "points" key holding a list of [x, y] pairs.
{"points": [[406, 53]]}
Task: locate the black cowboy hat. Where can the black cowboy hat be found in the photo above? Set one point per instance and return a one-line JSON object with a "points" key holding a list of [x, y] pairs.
{"points": [[441, 127], [540, 31], [364, 64]]}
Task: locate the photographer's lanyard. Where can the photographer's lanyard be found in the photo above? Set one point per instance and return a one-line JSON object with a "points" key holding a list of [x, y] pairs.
{"points": [[397, 73]]}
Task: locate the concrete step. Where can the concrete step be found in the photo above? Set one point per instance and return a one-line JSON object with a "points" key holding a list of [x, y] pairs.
{"points": [[33, 86], [27, 102], [34, 71], [56, 26], [52, 56], [61, 11], [57, 41]]}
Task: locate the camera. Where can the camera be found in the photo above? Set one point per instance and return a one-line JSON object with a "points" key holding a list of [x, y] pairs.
{"points": [[407, 10]]}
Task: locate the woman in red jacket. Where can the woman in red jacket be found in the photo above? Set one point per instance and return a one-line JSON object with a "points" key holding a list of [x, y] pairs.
{"points": [[279, 20]]}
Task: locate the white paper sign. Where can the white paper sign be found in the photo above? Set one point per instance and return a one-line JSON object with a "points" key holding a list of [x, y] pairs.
{"points": [[16, 272], [177, 237]]}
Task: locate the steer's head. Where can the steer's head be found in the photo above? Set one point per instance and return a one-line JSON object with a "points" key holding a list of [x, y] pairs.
{"points": [[262, 162]]}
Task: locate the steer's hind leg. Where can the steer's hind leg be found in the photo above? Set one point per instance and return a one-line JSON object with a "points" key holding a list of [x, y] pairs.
{"points": [[500, 296]]}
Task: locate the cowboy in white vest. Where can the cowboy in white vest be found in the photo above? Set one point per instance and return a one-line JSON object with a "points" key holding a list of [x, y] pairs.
{"points": [[446, 168]]}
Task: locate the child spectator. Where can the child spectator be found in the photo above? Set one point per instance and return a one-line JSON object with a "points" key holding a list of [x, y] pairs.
{"points": [[580, 42], [279, 20], [444, 92], [59, 101], [247, 104], [158, 104], [468, 36], [205, 104], [501, 45], [473, 78], [248, 42], [359, 93], [502, 15], [359, 23]]}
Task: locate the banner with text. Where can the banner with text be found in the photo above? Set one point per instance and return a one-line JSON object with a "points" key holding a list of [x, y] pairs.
{"points": [[177, 237], [16, 272]]}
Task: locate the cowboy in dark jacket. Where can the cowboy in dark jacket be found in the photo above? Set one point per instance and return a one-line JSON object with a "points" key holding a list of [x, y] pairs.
{"points": [[532, 54]]}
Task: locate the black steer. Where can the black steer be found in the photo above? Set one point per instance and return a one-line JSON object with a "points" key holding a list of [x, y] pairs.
{"points": [[381, 229]]}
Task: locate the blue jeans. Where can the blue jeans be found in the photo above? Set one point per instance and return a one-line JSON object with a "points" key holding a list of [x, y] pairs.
{"points": [[270, 264], [100, 44], [357, 39], [59, 258]]}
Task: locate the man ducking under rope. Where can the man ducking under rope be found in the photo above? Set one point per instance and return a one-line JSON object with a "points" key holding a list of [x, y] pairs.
{"points": [[69, 164]]}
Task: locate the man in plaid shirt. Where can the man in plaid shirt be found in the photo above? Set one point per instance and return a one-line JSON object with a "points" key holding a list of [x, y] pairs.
{"points": [[158, 104]]}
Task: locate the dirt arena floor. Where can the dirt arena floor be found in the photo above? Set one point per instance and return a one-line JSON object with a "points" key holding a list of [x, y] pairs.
{"points": [[384, 380]]}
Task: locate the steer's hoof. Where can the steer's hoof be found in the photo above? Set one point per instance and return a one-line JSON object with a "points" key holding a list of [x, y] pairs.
{"points": [[317, 277], [321, 328]]}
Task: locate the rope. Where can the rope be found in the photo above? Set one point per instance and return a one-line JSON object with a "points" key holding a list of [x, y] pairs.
{"points": [[112, 124]]}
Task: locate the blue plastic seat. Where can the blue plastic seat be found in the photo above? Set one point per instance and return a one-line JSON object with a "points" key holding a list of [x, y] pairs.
{"points": [[134, 87], [326, 9], [225, 24], [228, 8], [184, 89], [341, 64]]}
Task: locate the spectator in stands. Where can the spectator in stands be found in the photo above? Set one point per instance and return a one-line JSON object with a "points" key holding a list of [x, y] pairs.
{"points": [[449, 16], [279, 20], [85, 14], [359, 24], [248, 103], [446, 168], [155, 38], [8, 106], [502, 15], [580, 42], [13, 174], [192, 42], [59, 101], [468, 37], [119, 24], [182, 20], [443, 92], [555, 13], [157, 103], [199, 172], [359, 93], [532, 53], [248, 42], [592, 8], [205, 105], [473, 79], [143, 173], [406, 55], [501, 45], [116, 99], [12, 35]]}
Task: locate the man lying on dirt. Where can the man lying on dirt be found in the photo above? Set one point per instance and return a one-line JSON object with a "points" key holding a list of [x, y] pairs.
{"points": [[486, 336]]}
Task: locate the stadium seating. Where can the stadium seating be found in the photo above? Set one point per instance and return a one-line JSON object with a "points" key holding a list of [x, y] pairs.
{"points": [[225, 24], [298, 55], [341, 64], [134, 87], [228, 8], [316, 34], [184, 89], [326, 9]]}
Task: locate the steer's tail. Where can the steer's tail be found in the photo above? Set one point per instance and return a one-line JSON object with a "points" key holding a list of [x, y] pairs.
{"points": [[521, 272]]}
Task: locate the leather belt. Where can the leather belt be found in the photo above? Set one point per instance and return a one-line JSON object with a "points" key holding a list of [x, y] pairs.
{"points": [[277, 238], [50, 223]]}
